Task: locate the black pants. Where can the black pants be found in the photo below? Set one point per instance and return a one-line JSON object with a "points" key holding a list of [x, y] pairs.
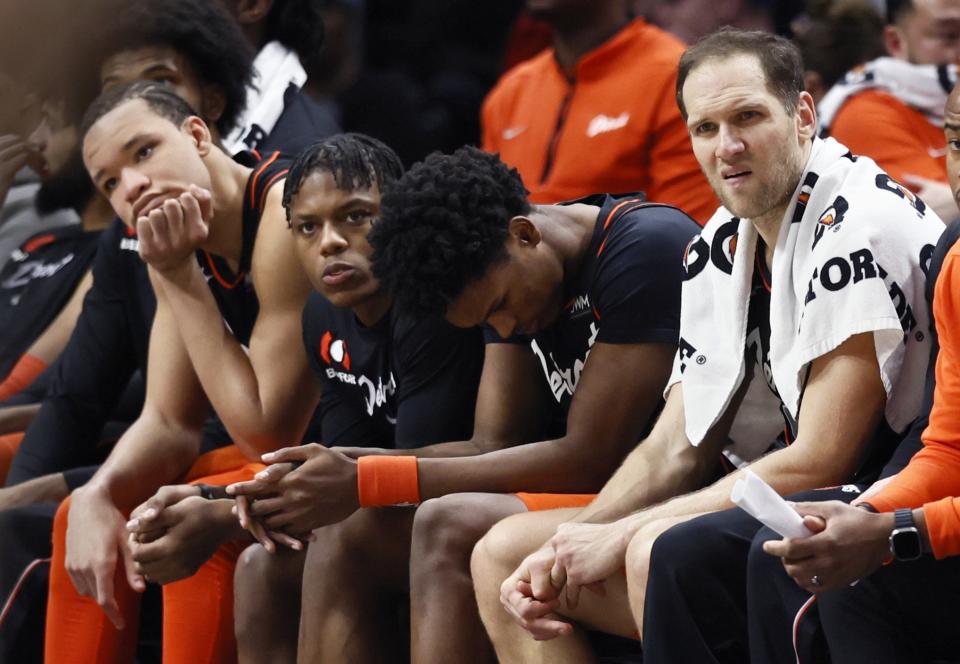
{"points": [[714, 596], [904, 613], [24, 538]]}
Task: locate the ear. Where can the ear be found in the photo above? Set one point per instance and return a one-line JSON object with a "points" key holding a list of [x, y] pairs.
{"points": [[524, 232], [252, 11], [806, 116], [895, 42], [198, 131], [212, 104]]}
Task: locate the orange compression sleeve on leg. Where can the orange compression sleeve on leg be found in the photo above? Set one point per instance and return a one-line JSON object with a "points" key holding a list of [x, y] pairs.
{"points": [[198, 610], [387, 480], [78, 631], [24, 372]]}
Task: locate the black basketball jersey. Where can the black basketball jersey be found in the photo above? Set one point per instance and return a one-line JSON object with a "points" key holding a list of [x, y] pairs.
{"points": [[36, 283], [399, 383]]}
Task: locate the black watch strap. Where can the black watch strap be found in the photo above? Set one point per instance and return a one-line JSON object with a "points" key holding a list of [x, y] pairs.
{"points": [[903, 518], [211, 492]]}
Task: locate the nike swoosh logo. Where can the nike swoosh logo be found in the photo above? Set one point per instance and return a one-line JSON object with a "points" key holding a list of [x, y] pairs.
{"points": [[936, 154], [511, 133]]}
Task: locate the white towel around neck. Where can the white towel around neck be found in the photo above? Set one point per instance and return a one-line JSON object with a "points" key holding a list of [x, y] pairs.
{"points": [[275, 69], [921, 87], [850, 258]]}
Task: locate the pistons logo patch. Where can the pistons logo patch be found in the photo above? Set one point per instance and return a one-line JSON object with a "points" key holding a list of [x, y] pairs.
{"points": [[334, 351]]}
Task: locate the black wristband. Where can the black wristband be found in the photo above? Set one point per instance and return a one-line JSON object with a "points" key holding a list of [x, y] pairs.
{"points": [[211, 492]]}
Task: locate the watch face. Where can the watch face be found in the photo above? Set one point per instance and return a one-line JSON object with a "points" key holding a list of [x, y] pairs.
{"points": [[905, 543]]}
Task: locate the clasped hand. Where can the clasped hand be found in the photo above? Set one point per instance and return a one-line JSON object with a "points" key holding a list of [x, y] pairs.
{"points": [[579, 555], [170, 233], [304, 488]]}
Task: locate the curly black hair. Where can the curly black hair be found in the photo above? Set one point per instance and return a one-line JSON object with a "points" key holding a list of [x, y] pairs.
{"points": [[298, 25], [442, 225], [356, 161], [200, 30]]}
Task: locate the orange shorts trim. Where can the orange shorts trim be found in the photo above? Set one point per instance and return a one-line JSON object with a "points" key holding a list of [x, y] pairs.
{"points": [[537, 502], [220, 460]]}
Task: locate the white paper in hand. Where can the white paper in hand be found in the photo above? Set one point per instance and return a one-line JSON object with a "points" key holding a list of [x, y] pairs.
{"points": [[760, 501]]}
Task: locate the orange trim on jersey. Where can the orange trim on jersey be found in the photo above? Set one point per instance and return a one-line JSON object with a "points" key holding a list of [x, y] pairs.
{"points": [[256, 153], [614, 211], [596, 312], [602, 247], [223, 282], [38, 242], [256, 175], [270, 183]]}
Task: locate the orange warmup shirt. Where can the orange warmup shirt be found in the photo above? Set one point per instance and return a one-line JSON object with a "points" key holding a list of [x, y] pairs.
{"points": [[900, 139], [611, 126], [932, 478]]}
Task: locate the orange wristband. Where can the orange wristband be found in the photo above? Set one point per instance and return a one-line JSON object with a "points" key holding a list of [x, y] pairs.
{"points": [[387, 480], [24, 372]]}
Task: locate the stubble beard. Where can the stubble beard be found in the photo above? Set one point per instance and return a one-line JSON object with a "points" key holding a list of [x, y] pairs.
{"points": [[773, 195]]}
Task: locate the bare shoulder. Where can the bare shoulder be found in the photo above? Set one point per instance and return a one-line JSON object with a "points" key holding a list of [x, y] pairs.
{"points": [[275, 267]]}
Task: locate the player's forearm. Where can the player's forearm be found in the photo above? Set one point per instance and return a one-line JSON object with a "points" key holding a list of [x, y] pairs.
{"points": [[787, 471], [650, 475], [555, 466], [460, 448], [17, 418], [257, 422], [150, 454], [47, 488]]}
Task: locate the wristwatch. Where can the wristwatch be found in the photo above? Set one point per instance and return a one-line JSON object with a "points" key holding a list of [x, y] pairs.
{"points": [[905, 544]]}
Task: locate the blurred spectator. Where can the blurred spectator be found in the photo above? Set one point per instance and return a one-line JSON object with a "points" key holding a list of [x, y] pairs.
{"points": [[692, 19], [834, 38], [21, 164], [596, 113], [428, 65], [289, 37], [891, 109]]}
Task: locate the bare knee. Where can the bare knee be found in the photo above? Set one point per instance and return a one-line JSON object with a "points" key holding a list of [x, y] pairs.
{"points": [[446, 529], [260, 574]]}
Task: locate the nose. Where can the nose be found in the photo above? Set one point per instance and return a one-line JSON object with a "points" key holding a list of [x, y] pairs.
{"points": [[729, 143], [332, 242], [132, 184]]}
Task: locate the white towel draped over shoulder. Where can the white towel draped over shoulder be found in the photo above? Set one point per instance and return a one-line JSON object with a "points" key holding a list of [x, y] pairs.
{"points": [[275, 69], [851, 257], [921, 87]]}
